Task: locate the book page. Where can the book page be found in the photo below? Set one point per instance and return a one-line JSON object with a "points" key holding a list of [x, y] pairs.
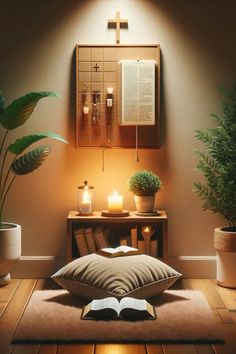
{"points": [[137, 92], [126, 249], [130, 302], [111, 250], [108, 302]]}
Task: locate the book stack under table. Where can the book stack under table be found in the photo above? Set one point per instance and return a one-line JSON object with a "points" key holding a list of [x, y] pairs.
{"points": [[88, 234]]}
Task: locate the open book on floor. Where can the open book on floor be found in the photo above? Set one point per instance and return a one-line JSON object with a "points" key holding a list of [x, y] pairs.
{"points": [[127, 308], [118, 251]]}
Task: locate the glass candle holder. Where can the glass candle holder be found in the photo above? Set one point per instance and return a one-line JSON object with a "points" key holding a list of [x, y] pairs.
{"points": [[85, 199]]}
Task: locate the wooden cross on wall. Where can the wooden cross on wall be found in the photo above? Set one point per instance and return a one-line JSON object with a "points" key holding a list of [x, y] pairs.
{"points": [[118, 23]]}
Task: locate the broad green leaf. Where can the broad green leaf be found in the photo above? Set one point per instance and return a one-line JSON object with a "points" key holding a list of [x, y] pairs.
{"points": [[2, 102], [21, 144], [30, 161], [17, 112]]}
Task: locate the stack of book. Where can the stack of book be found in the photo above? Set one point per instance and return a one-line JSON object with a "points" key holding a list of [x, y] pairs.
{"points": [[90, 240]]}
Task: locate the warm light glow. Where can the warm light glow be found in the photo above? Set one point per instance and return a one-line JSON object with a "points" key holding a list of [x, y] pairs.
{"points": [[86, 110], [115, 203], [146, 229], [110, 90], [86, 205], [86, 196]]}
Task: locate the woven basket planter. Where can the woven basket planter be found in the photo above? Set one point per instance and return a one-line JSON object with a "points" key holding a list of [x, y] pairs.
{"points": [[224, 241], [225, 245]]}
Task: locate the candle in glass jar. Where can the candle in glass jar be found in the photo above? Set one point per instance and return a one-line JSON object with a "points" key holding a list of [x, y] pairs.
{"points": [[115, 203], [86, 206]]}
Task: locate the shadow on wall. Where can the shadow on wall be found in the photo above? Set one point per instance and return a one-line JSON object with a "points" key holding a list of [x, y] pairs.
{"points": [[29, 23], [207, 24]]}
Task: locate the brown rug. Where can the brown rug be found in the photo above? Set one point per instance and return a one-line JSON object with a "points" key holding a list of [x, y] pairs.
{"points": [[54, 316]]}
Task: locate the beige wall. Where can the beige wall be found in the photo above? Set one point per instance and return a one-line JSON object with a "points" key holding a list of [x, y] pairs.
{"points": [[37, 41]]}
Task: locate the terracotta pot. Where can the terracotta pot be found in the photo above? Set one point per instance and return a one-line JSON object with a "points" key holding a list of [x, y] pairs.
{"points": [[225, 245], [10, 250], [144, 204]]}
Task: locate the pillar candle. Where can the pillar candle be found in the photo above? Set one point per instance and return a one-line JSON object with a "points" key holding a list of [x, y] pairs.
{"points": [[115, 203]]}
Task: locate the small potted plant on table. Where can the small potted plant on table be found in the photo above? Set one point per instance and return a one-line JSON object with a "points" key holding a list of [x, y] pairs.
{"points": [[144, 185]]}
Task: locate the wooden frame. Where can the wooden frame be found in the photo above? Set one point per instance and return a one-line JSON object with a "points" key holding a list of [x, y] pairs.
{"points": [[97, 69]]}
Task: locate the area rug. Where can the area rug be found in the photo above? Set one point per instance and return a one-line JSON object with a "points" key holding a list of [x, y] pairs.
{"points": [[54, 316]]}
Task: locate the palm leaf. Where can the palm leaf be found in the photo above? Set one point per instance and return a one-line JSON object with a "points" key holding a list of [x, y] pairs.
{"points": [[2, 102], [21, 144], [17, 113], [30, 161]]}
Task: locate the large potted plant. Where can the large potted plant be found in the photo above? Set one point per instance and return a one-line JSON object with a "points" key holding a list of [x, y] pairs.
{"points": [[218, 165], [144, 185], [14, 161]]}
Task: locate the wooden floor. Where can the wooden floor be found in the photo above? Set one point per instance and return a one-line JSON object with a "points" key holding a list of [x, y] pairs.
{"points": [[14, 297]]}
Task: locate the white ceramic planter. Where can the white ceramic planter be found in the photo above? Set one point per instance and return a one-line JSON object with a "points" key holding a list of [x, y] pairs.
{"points": [[225, 245], [144, 204], [226, 269], [10, 250]]}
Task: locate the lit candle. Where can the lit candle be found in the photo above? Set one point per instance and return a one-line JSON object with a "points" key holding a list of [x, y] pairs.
{"points": [[110, 90], [146, 229], [86, 110], [147, 233], [115, 203], [86, 207]]}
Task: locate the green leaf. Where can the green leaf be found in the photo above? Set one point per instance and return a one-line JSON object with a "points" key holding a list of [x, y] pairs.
{"points": [[30, 161], [2, 102], [21, 144], [17, 112]]}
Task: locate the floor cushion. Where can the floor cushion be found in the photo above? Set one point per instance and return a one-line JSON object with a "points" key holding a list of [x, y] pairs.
{"points": [[94, 276]]}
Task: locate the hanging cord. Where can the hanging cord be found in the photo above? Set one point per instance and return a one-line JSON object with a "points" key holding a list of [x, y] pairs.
{"points": [[103, 159], [136, 144], [136, 134]]}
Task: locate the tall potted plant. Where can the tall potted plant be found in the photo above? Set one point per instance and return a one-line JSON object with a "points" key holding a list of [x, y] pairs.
{"points": [[15, 161], [218, 165], [144, 185]]}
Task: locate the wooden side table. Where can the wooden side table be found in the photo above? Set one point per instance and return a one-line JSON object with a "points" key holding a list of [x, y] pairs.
{"points": [[120, 227]]}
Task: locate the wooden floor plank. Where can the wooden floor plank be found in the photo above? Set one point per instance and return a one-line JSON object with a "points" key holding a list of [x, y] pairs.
{"points": [[154, 349], [225, 316], [233, 315], [208, 288], [120, 349], [179, 349], [227, 295], [25, 349], [75, 349], [48, 349], [13, 312], [204, 349], [6, 293]]}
